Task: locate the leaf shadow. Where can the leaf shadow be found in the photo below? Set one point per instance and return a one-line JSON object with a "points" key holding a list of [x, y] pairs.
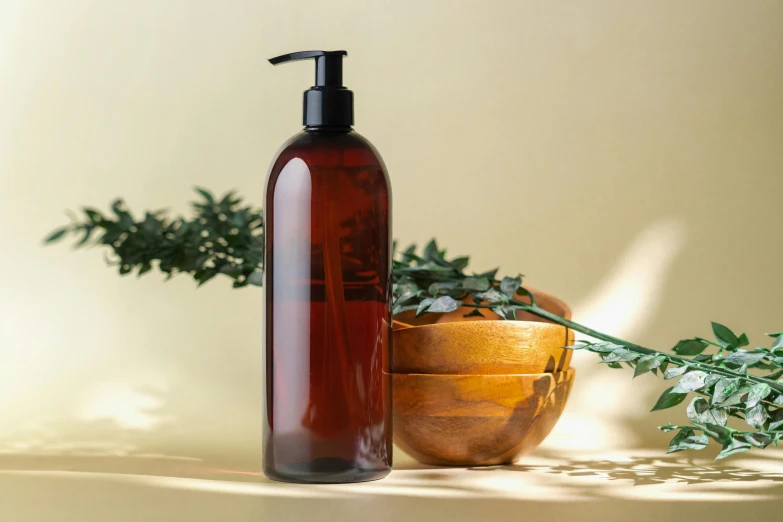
{"points": [[645, 471]]}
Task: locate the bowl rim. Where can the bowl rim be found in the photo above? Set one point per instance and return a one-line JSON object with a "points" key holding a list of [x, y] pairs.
{"points": [[528, 325]]}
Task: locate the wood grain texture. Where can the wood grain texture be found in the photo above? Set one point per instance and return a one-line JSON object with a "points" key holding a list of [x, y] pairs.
{"points": [[475, 420], [481, 347]]}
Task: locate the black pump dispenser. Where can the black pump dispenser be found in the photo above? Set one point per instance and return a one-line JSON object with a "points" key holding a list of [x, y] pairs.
{"points": [[328, 104]]}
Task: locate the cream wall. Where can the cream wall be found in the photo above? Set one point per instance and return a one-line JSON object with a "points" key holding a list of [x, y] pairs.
{"points": [[625, 156]]}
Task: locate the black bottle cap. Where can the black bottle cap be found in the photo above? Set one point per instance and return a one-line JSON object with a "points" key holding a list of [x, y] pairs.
{"points": [[328, 103]]}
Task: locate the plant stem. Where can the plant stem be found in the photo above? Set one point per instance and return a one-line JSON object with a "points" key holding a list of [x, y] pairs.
{"points": [[681, 361], [771, 433]]}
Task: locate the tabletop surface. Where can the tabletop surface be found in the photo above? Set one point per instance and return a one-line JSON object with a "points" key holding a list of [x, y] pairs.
{"points": [[638, 484]]}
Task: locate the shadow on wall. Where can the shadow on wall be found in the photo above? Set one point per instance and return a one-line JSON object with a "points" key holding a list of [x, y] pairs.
{"points": [[115, 421], [603, 407]]}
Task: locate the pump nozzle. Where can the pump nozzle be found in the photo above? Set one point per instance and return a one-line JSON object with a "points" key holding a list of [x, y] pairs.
{"points": [[328, 103]]}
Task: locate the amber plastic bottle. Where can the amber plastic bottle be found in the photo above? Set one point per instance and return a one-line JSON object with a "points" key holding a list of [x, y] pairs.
{"points": [[327, 295]]}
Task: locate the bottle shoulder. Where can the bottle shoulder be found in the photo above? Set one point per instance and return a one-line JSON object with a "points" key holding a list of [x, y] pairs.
{"points": [[329, 149]]}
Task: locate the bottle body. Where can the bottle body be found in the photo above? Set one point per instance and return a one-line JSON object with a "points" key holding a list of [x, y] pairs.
{"points": [[327, 313]]}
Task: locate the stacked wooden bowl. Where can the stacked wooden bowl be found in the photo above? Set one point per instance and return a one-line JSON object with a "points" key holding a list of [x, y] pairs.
{"points": [[478, 392]]}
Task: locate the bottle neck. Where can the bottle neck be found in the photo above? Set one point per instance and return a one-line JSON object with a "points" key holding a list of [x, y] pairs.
{"points": [[328, 129]]}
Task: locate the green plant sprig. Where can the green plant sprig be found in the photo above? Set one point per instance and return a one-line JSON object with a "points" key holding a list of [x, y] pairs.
{"points": [[225, 237]]}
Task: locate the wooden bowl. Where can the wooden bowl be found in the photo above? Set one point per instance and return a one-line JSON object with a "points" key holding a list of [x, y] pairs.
{"points": [[481, 347], [490, 345], [476, 420]]}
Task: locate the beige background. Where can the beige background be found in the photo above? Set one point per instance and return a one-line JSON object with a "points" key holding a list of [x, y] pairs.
{"points": [[625, 156]]}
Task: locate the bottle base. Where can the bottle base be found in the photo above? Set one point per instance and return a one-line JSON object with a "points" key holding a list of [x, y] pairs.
{"points": [[324, 471]]}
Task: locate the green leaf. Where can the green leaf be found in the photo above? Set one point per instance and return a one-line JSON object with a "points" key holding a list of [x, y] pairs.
{"points": [[760, 440], [409, 254], [239, 220], [460, 263], [725, 337], [719, 416], [690, 347], [712, 379], [398, 309], [743, 340], [476, 284], [694, 442], [778, 399], [756, 416], [699, 412], [492, 296], [668, 399], [206, 195], [757, 393], [506, 312], [56, 235], [620, 355], [668, 427], [674, 445], [441, 287], [125, 220], [691, 381], [733, 399], [444, 304], [603, 347], [202, 276], [93, 215], [774, 376], [491, 274], [431, 252], [778, 344], [87, 232], [721, 434], [509, 285], [227, 199], [404, 298], [741, 357], [423, 305], [647, 363], [675, 372], [733, 447], [256, 278], [776, 421], [724, 388]]}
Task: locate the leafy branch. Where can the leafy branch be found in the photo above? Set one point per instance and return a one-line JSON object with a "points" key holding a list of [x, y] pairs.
{"points": [[225, 237]]}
